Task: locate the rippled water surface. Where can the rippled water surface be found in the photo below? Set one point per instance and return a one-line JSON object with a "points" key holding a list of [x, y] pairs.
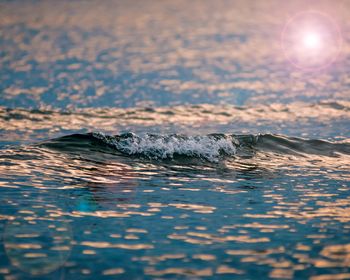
{"points": [[170, 139]]}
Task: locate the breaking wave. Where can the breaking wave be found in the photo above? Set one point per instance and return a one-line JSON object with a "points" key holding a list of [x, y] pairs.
{"points": [[211, 147]]}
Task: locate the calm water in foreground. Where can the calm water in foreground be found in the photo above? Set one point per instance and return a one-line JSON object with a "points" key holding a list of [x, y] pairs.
{"points": [[153, 140]]}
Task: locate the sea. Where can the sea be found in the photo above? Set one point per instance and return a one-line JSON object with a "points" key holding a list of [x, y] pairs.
{"points": [[158, 139]]}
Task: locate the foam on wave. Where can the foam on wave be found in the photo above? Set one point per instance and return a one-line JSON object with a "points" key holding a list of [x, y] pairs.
{"points": [[210, 147]]}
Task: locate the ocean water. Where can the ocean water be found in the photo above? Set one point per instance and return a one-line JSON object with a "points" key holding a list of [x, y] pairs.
{"points": [[170, 140]]}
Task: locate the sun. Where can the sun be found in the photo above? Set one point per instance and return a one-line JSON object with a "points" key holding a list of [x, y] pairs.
{"points": [[311, 40]]}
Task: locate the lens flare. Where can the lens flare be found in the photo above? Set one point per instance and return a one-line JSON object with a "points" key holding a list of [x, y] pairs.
{"points": [[311, 40]]}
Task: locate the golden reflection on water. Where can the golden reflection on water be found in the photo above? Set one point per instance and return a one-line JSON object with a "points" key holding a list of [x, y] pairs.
{"points": [[92, 212], [24, 125], [26, 251], [23, 242], [225, 48]]}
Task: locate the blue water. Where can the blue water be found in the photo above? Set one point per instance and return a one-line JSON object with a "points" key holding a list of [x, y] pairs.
{"points": [[170, 140]]}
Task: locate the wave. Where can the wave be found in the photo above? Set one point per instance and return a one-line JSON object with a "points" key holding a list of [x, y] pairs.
{"points": [[211, 147]]}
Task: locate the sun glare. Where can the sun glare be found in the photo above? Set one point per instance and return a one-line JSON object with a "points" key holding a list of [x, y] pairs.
{"points": [[311, 40]]}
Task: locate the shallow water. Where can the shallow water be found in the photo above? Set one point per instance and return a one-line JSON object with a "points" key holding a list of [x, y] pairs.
{"points": [[152, 140]]}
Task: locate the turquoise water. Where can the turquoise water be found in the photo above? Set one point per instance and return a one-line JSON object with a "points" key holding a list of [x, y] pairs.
{"points": [[163, 140]]}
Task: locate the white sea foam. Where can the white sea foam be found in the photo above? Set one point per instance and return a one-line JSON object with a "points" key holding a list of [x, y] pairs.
{"points": [[209, 147]]}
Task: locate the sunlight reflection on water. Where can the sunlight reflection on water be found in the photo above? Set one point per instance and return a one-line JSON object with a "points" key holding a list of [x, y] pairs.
{"points": [[76, 207]]}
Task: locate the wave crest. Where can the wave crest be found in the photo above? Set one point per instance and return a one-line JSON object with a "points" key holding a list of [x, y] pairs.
{"points": [[210, 147]]}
